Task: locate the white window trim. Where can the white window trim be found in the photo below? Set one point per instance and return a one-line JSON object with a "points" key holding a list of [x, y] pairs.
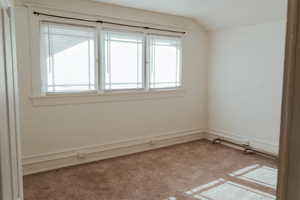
{"points": [[35, 51], [102, 66], [38, 98], [118, 96], [96, 68], [180, 64]]}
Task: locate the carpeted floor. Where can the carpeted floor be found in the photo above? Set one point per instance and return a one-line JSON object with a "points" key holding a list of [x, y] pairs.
{"points": [[195, 170]]}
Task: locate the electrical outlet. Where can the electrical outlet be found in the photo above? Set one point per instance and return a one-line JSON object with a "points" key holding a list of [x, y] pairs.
{"points": [[81, 155]]}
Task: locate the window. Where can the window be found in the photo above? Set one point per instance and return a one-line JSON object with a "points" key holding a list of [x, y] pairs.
{"points": [[68, 58], [128, 60], [165, 62], [123, 60]]}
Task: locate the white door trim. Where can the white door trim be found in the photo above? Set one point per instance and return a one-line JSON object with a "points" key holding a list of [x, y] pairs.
{"points": [[5, 174], [289, 175], [11, 187]]}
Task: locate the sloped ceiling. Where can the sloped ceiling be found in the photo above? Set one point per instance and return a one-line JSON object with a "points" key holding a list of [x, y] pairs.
{"points": [[215, 14]]}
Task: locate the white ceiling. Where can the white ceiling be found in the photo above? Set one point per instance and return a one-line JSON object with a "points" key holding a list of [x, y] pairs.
{"points": [[215, 14]]}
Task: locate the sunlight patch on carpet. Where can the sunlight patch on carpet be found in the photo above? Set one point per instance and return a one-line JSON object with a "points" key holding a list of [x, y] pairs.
{"points": [[261, 175], [226, 190]]}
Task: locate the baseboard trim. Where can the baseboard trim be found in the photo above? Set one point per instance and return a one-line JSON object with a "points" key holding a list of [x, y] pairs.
{"points": [[50, 161], [55, 160], [253, 142]]}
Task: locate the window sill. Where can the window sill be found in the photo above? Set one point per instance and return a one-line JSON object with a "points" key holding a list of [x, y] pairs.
{"points": [[114, 96]]}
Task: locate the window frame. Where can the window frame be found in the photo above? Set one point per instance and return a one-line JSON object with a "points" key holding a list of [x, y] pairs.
{"points": [[148, 57], [102, 66], [44, 75], [36, 72]]}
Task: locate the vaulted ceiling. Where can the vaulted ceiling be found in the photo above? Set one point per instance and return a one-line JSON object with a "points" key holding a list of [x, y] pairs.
{"points": [[215, 14]]}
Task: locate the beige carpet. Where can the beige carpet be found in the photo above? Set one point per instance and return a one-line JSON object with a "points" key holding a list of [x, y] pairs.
{"points": [[188, 171]]}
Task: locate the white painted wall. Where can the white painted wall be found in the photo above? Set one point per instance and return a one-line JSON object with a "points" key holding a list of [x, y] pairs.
{"points": [[49, 129], [245, 83]]}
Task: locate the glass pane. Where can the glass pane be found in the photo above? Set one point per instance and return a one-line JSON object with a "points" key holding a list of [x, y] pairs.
{"points": [[123, 61], [68, 52], [165, 62]]}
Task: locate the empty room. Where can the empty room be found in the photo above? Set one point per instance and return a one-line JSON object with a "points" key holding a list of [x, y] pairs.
{"points": [[146, 100]]}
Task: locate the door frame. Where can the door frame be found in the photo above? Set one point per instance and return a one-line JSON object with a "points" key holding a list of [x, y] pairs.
{"points": [[11, 180], [289, 163]]}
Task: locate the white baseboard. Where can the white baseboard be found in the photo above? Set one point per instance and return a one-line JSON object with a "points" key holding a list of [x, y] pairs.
{"points": [[50, 161], [253, 142], [55, 160]]}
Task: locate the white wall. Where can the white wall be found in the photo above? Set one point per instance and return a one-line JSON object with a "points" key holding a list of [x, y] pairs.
{"points": [[245, 83], [48, 129]]}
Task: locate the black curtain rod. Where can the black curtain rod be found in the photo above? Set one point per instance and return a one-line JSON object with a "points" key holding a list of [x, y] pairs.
{"points": [[106, 22]]}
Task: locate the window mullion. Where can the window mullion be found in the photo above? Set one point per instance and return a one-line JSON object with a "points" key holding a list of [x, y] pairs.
{"points": [[89, 64], [109, 59], [153, 67], [146, 80], [180, 64], [177, 66], [52, 60], [138, 61], [99, 60]]}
